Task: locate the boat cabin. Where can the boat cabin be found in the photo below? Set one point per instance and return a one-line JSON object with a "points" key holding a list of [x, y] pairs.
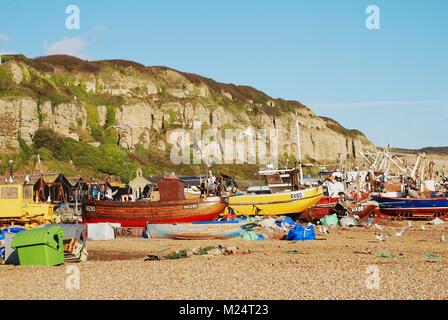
{"points": [[258, 190], [170, 189], [280, 180]]}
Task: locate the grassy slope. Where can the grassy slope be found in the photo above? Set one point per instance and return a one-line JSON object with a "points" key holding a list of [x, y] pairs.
{"points": [[428, 150]]}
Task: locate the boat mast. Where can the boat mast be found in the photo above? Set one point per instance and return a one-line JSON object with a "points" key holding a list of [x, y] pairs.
{"points": [[299, 149], [416, 166]]}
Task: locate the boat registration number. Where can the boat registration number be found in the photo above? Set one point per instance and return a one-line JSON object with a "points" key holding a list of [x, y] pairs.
{"points": [[90, 208], [358, 209], [297, 195], [191, 206]]}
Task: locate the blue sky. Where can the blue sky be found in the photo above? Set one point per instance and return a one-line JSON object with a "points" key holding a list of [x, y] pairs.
{"points": [[391, 83]]}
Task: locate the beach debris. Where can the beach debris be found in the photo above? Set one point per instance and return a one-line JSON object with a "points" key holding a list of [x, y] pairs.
{"points": [[267, 228], [232, 250], [300, 233], [442, 236], [209, 250], [66, 214], [179, 255], [410, 224], [388, 255], [75, 238], [268, 222], [330, 220], [271, 233], [270, 228], [4, 231], [323, 230], [381, 236], [432, 257], [436, 221], [399, 233], [286, 223], [197, 251], [251, 236], [423, 228], [8, 253], [348, 222], [379, 227], [367, 251]]}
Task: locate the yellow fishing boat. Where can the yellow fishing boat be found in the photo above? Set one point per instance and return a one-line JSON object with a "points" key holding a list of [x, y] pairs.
{"points": [[282, 203]]}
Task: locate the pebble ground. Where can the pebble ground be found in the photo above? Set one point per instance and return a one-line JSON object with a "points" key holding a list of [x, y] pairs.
{"points": [[346, 264]]}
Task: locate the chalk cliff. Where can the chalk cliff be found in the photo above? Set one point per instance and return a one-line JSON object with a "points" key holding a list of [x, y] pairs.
{"points": [[105, 102]]}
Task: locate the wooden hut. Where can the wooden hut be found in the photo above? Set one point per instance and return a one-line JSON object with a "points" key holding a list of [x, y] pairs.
{"points": [[80, 189]]}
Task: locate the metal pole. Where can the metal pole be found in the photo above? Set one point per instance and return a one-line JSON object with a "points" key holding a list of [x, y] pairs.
{"points": [[299, 149]]}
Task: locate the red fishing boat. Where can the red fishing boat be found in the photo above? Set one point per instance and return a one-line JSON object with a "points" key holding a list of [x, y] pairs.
{"points": [[171, 208], [327, 205], [320, 209], [363, 210]]}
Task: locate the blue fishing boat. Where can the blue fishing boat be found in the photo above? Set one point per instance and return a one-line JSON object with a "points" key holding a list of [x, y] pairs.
{"points": [[409, 208], [202, 230]]}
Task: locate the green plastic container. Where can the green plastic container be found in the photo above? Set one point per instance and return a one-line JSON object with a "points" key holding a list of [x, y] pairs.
{"points": [[330, 220], [40, 246]]}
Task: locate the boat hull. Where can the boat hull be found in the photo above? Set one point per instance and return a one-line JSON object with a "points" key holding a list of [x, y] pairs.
{"points": [[322, 208], [140, 213], [284, 203], [425, 208], [326, 206], [196, 231]]}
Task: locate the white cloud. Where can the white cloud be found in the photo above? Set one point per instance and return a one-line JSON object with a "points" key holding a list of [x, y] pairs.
{"points": [[98, 29], [4, 37], [71, 46], [74, 46]]}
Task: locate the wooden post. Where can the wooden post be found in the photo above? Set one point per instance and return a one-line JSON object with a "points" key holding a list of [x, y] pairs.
{"points": [[76, 199]]}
